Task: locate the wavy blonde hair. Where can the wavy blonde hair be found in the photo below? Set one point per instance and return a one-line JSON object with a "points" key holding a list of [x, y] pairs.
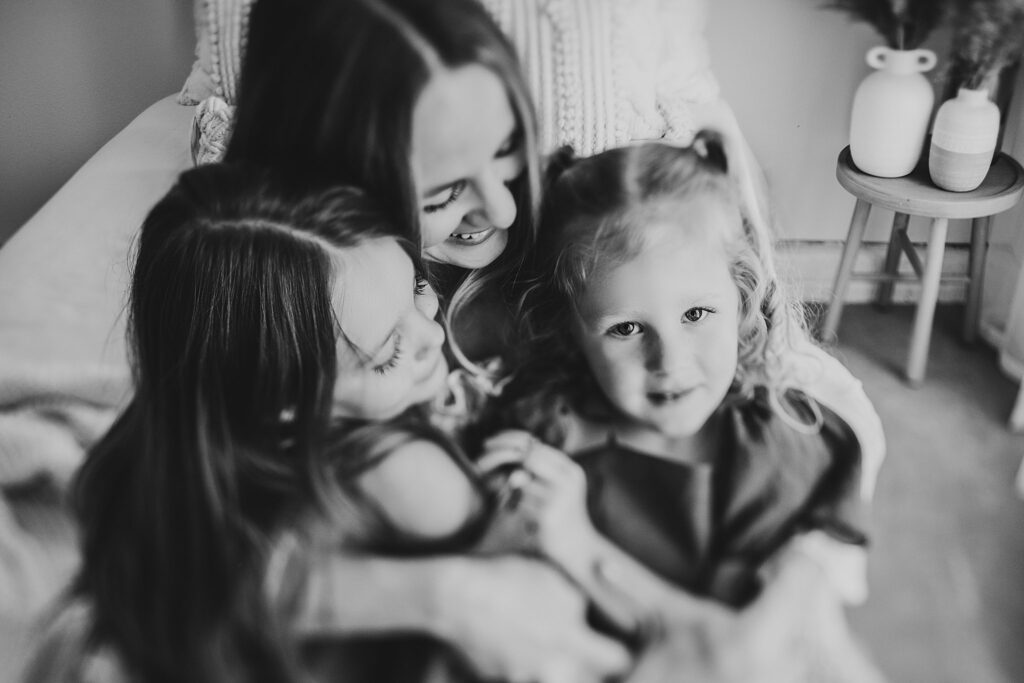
{"points": [[594, 215]]}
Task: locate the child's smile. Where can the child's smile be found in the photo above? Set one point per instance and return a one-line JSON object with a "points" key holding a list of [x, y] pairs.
{"points": [[660, 398]]}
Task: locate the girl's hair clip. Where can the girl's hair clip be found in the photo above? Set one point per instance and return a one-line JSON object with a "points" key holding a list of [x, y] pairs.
{"points": [[710, 147], [561, 160]]}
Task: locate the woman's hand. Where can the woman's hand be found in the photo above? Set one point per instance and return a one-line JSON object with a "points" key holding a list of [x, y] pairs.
{"points": [[520, 620]]}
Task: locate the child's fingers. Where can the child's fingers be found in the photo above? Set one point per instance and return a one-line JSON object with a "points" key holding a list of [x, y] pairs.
{"points": [[557, 471], [510, 447], [510, 438], [495, 458], [551, 464]]}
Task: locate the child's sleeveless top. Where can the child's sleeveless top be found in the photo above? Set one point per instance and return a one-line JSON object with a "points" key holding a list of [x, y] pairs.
{"points": [[709, 527]]}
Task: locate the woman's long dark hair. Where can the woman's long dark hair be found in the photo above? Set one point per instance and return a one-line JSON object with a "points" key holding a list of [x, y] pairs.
{"points": [[233, 343], [328, 91]]}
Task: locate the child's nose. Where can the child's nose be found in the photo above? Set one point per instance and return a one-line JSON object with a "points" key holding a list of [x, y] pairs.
{"points": [[666, 355], [431, 337]]}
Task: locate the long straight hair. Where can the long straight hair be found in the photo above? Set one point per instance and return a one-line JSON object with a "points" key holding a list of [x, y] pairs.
{"points": [[233, 343], [328, 91]]}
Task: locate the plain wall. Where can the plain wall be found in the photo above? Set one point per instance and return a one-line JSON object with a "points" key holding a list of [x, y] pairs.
{"points": [[790, 69], [72, 74]]}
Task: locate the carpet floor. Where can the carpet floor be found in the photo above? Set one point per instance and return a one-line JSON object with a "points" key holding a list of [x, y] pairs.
{"points": [[947, 560]]}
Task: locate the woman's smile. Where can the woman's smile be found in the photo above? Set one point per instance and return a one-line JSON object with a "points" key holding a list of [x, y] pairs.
{"points": [[472, 237]]}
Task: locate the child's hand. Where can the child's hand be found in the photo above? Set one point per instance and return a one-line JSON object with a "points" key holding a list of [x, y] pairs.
{"points": [[544, 497]]}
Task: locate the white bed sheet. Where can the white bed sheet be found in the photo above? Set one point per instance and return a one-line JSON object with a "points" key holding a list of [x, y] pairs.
{"points": [[63, 370]]}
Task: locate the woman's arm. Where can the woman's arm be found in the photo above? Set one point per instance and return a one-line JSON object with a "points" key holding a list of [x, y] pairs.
{"points": [[796, 627], [511, 618]]}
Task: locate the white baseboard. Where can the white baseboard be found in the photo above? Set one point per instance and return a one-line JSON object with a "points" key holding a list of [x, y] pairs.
{"points": [[809, 268]]}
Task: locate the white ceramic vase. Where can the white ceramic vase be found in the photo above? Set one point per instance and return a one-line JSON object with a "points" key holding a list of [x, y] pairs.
{"points": [[963, 140], [891, 109]]}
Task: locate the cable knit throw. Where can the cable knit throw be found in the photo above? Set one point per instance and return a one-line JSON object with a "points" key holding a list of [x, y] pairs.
{"points": [[221, 28], [605, 73], [211, 130]]}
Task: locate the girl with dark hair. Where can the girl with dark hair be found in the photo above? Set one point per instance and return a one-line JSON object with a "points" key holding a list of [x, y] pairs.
{"points": [[658, 349], [256, 316]]}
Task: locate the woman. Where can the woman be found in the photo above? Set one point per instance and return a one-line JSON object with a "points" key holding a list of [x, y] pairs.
{"points": [[422, 104]]}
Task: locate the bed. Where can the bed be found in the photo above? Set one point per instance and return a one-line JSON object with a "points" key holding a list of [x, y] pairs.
{"points": [[63, 275], [63, 372]]}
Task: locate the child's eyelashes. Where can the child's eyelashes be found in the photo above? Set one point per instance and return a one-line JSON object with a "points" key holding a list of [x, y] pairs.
{"points": [[454, 191], [697, 313], [632, 328], [392, 362], [626, 329], [420, 285]]}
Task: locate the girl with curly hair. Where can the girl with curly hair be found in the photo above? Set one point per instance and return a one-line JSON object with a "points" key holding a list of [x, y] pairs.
{"points": [[658, 344]]}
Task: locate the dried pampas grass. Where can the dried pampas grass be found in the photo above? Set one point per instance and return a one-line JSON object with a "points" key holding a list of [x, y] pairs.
{"points": [[989, 35], [905, 24]]}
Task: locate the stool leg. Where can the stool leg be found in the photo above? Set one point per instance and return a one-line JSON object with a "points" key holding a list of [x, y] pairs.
{"points": [[850, 249], [926, 306], [979, 248], [892, 259]]}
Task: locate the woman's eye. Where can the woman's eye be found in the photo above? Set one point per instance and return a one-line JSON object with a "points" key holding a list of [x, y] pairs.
{"points": [[510, 146], [696, 314], [392, 362], [453, 193], [625, 329]]}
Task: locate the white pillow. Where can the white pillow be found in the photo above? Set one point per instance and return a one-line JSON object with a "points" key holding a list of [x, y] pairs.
{"points": [[603, 73], [608, 72]]}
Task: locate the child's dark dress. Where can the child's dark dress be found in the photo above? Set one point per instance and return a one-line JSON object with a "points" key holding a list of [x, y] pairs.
{"points": [[709, 527]]}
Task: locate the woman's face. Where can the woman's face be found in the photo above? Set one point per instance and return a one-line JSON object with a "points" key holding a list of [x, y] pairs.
{"points": [[389, 350], [466, 148]]}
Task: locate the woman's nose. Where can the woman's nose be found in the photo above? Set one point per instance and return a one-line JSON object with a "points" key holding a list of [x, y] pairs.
{"points": [[496, 202]]}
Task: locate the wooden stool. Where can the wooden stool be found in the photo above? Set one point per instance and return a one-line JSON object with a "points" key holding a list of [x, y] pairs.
{"points": [[915, 195]]}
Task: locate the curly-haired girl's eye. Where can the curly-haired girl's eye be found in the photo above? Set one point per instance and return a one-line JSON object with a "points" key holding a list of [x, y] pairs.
{"points": [[627, 329], [696, 314]]}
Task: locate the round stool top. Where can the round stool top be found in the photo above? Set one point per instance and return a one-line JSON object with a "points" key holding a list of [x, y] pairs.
{"points": [[915, 194]]}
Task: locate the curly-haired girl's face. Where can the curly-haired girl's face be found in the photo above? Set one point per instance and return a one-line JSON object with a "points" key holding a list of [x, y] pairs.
{"points": [[660, 330], [466, 149], [389, 352]]}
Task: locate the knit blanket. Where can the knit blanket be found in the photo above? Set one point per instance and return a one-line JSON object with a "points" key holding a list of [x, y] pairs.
{"points": [[63, 367], [49, 417]]}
